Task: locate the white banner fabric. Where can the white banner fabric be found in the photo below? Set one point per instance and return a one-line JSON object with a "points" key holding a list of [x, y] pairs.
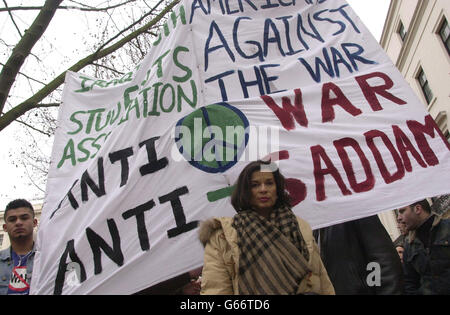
{"points": [[140, 160]]}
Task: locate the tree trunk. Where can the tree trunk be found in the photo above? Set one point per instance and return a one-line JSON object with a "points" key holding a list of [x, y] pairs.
{"points": [[24, 47]]}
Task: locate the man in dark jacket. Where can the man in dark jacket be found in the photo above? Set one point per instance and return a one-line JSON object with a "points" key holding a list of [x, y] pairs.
{"points": [[426, 259], [360, 258]]}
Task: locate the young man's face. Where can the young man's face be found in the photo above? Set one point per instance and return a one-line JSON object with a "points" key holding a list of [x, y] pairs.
{"points": [[19, 223], [409, 217]]}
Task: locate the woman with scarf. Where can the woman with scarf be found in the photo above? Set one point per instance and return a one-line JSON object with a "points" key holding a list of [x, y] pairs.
{"points": [[264, 249]]}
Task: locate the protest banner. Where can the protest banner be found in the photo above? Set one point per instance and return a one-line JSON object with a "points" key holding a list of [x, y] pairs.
{"points": [[139, 161]]}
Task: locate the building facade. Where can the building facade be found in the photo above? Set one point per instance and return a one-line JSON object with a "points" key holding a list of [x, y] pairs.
{"points": [[416, 37]]}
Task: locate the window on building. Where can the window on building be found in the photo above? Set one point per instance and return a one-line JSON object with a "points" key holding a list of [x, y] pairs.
{"points": [[423, 81], [444, 32], [402, 31]]}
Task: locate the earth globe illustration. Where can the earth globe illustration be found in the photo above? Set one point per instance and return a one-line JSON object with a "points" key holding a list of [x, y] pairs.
{"points": [[213, 137]]}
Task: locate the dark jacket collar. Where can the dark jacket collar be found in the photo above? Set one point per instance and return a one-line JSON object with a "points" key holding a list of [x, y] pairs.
{"points": [[436, 218]]}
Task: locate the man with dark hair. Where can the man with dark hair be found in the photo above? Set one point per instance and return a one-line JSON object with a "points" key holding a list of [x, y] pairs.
{"points": [[16, 262], [426, 258]]}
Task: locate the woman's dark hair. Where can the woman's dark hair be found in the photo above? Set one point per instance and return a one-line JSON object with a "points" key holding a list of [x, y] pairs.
{"points": [[240, 199]]}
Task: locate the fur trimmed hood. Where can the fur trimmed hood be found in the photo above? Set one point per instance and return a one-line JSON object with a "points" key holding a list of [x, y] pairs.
{"points": [[207, 228]]}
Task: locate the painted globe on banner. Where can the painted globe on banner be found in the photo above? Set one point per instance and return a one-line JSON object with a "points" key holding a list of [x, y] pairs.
{"points": [[213, 138]]}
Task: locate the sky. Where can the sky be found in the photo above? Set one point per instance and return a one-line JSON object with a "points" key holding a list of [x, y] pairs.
{"points": [[14, 183], [372, 13]]}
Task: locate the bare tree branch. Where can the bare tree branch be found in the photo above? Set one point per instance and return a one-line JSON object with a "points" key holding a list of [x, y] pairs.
{"points": [[88, 9], [12, 18], [21, 8], [48, 105], [135, 23], [33, 128], [81, 4], [26, 76], [31, 178], [23, 49], [5, 43], [34, 101], [106, 67]]}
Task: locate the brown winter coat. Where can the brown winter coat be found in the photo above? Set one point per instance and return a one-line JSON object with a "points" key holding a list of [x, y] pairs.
{"points": [[221, 260]]}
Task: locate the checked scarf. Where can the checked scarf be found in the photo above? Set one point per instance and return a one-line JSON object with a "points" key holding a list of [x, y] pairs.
{"points": [[273, 254]]}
